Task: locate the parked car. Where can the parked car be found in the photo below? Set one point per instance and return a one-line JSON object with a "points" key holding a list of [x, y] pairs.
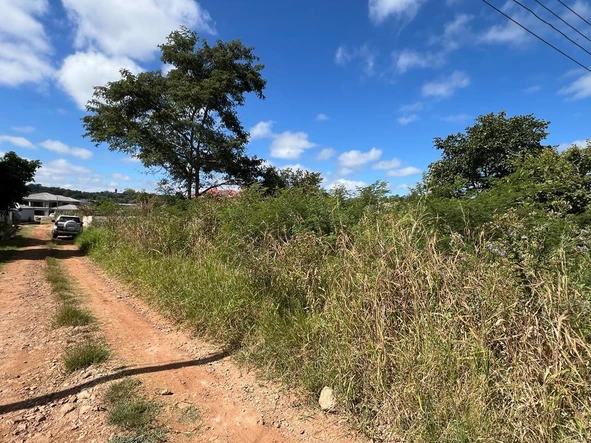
{"points": [[69, 225]]}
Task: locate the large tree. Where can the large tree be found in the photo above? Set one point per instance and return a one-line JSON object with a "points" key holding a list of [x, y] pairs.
{"points": [[186, 121], [488, 150], [15, 173]]}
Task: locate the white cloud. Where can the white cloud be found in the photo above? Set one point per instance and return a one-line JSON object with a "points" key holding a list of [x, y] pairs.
{"points": [[355, 159], [21, 142], [132, 28], [62, 148], [580, 88], [290, 145], [446, 86], [456, 32], [82, 71], [412, 107], [363, 53], [580, 143], [262, 129], [349, 185], [25, 129], [321, 117], [24, 45], [507, 32], [380, 10], [404, 172], [456, 118], [131, 160], [118, 176], [532, 89], [387, 164], [346, 171], [409, 59], [407, 119], [326, 154]]}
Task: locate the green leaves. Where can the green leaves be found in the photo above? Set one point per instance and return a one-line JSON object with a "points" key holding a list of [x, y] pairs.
{"points": [[185, 122], [15, 173], [486, 151]]}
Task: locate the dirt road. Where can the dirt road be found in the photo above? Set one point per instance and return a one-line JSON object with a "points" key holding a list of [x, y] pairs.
{"points": [[39, 402]]}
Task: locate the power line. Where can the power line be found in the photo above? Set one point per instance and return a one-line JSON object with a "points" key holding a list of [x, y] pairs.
{"points": [[531, 11], [573, 11], [562, 20], [537, 36]]}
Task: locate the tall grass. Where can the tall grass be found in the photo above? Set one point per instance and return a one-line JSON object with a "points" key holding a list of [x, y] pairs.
{"points": [[426, 337]]}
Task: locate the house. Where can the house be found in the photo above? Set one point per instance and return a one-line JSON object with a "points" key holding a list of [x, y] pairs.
{"points": [[45, 203]]}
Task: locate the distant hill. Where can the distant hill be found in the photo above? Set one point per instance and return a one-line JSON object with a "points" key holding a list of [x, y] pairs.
{"points": [[123, 197]]}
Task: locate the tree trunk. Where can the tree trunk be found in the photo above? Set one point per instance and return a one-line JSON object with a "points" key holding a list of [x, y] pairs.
{"points": [[189, 185]]}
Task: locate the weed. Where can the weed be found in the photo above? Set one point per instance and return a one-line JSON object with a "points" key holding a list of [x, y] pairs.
{"points": [[426, 336], [122, 390], [151, 436], [84, 355], [68, 315]]}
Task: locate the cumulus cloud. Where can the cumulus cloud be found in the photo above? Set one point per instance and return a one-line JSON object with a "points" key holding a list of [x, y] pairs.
{"points": [[262, 129], [380, 10], [321, 117], [20, 142], [24, 45], [133, 28], [387, 164], [579, 143], [356, 159], [408, 59], [407, 119], [119, 176], [62, 148], [290, 145], [446, 86], [82, 71], [404, 172], [578, 89], [326, 154], [349, 185]]}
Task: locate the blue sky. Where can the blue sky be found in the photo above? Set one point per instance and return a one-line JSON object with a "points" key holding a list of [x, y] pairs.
{"points": [[357, 89]]}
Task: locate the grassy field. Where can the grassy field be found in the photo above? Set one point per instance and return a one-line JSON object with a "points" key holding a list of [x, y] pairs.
{"points": [[426, 335]]}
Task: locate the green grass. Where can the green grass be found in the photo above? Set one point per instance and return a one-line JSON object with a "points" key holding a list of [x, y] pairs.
{"points": [[133, 413], [69, 315], [122, 390], [130, 411], [150, 436], [425, 336], [85, 354], [59, 281]]}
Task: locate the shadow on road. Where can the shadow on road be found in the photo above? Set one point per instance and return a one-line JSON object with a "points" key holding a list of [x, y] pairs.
{"points": [[53, 396]]}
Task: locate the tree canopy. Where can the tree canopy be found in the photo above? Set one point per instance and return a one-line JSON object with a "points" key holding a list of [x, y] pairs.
{"points": [[186, 121], [15, 173], [486, 151]]}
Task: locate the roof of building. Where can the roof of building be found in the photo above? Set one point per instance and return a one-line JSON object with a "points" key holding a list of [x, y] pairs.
{"points": [[67, 208], [47, 197]]}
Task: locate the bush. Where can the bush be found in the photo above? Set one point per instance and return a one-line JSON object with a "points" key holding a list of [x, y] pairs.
{"points": [[427, 333]]}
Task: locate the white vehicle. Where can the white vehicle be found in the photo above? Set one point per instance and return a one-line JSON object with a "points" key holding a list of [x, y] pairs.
{"points": [[69, 225]]}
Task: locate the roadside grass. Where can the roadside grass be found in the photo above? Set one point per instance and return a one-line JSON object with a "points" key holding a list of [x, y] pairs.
{"points": [[425, 336], [85, 354], [129, 410]]}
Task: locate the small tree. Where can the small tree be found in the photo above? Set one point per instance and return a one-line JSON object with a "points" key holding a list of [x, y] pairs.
{"points": [[15, 173], [185, 122], [488, 150]]}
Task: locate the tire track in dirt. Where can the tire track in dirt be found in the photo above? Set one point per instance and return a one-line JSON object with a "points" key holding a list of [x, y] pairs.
{"points": [[229, 405], [30, 351]]}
